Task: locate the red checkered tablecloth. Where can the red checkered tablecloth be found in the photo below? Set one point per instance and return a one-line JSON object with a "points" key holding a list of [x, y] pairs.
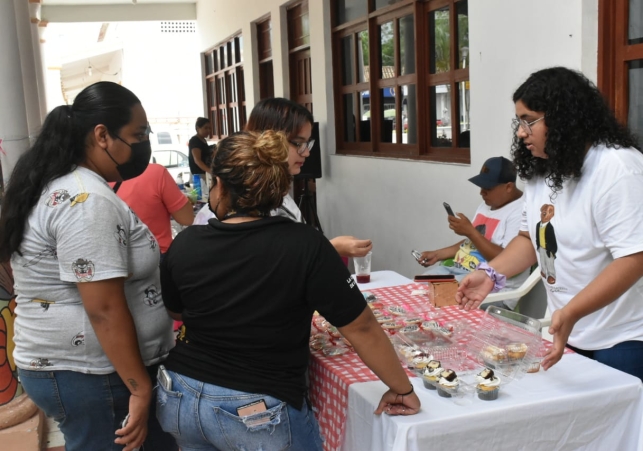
{"points": [[330, 376]]}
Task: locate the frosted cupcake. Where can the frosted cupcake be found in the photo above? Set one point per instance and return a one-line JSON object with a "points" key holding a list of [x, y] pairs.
{"points": [[431, 374], [488, 385], [448, 383]]}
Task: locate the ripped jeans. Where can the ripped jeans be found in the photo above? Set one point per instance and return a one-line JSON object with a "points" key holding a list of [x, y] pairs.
{"points": [[204, 417]]}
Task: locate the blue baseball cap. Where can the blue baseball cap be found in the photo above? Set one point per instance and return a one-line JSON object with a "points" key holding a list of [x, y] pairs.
{"points": [[495, 171]]}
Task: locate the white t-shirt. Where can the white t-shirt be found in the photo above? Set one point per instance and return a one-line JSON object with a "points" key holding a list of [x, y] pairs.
{"points": [[288, 210], [499, 227], [597, 218], [80, 231]]}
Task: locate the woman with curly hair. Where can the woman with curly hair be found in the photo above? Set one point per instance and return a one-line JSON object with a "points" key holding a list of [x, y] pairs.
{"points": [[237, 376], [582, 220]]}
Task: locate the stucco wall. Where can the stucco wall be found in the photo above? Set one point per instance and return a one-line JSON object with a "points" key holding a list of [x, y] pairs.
{"points": [[398, 203]]}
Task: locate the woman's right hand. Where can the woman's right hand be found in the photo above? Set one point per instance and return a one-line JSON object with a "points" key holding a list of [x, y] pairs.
{"points": [[349, 246], [473, 290], [395, 404], [134, 433]]}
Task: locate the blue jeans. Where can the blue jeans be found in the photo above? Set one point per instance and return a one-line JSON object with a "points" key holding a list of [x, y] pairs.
{"points": [[89, 408], [626, 356], [204, 417]]}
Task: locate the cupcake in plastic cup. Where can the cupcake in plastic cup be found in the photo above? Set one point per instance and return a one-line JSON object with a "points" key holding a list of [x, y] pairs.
{"points": [[448, 383], [488, 385], [431, 374]]}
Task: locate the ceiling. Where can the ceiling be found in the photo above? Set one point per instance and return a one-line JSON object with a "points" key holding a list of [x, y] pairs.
{"points": [[108, 2]]}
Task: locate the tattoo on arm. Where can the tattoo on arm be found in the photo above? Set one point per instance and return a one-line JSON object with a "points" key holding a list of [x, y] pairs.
{"points": [[133, 383]]}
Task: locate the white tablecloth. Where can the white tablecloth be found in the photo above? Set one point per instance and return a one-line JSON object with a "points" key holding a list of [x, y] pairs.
{"points": [[381, 279], [577, 404]]}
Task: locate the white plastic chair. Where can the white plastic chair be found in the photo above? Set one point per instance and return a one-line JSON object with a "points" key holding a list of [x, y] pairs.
{"points": [[533, 299]]}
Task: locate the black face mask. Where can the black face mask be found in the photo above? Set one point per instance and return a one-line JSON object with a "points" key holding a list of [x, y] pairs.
{"points": [[138, 161]]}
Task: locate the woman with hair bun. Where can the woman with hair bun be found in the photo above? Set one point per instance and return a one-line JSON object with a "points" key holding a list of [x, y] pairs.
{"points": [[296, 122], [582, 220], [237, 376], [90, 329]]}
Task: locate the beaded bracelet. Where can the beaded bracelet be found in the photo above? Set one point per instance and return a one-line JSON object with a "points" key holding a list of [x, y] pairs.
{"points": [[499, 280]]}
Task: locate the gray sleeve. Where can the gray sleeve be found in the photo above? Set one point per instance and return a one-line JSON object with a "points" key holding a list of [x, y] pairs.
{"points": [[92, 239]]}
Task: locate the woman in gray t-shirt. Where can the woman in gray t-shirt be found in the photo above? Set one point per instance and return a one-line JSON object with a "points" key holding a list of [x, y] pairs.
{"points": [[90, 328]]}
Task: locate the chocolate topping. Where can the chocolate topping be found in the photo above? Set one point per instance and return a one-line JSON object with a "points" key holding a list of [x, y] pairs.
{"points": [[487, 374], [448, 375]]}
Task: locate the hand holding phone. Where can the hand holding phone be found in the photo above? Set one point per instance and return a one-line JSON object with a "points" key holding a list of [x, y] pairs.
{"points": [[123, 424], [447, 207], [417, 255]]}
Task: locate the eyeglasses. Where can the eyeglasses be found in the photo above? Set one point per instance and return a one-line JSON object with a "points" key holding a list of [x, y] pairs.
{"points": [[526, 126], [302, 147]]}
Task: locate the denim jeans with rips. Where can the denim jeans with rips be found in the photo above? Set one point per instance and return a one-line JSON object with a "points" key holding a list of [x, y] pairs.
{"points": [[89, 408], [204, 417]]}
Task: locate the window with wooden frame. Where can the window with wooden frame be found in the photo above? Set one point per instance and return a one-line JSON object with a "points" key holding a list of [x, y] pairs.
{"points": [[401, 78], [620, 59], [225, 93], [301, 87], [264, 45]]}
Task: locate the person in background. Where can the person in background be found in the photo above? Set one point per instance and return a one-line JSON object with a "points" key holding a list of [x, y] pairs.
{"points": [[583, 213], [297, 123], [90, 326], [200, 153], [495, 223], [155, 198], [246, 334]]}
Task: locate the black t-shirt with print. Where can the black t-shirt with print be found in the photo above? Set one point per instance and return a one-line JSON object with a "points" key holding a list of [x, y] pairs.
{"points": [[206, 154], [247, 293]]}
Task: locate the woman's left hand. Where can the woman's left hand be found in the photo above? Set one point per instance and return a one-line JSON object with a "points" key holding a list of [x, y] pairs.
{"points": [[395, 404], [134, 433], [561, 326], [349, 246]]}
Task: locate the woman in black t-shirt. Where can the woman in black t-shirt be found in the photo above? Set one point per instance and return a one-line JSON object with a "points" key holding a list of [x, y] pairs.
{"points": [[238, 372], [200, 153]]}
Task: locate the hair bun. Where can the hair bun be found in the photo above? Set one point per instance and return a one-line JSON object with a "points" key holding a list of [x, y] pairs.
{"points": [[271, 147]]}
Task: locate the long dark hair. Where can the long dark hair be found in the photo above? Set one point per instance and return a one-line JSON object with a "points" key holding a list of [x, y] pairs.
{"points": [[576, 115], [59, 148], [278, 114]]}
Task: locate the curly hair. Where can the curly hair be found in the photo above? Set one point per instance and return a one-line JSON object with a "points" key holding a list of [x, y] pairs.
{"points": [[576, 115], [253, 168]]}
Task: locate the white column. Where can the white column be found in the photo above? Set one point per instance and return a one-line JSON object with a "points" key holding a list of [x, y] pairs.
{"points": [[14, 127], [30, 62]]}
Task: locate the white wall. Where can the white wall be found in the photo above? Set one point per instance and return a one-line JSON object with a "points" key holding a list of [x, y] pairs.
{"points": [[397, 203]]}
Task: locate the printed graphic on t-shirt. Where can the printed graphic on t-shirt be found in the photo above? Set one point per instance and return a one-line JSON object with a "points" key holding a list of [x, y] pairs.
{"points": [[79, 198], [152, 295], [40, 363], [83, 270], [49, 251], [78, 339], [121, 235], [43, 303], [468, 257], [57, 197], [546, 244], [151, 239]]}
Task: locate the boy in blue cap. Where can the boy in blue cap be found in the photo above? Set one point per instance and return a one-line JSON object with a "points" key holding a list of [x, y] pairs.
{"points": [[495, 223]]}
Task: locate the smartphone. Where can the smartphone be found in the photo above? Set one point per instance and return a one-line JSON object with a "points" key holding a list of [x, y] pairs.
{"points": [[434, 277], [447, 207], [163, 378], [416, 254], [123, 424]]}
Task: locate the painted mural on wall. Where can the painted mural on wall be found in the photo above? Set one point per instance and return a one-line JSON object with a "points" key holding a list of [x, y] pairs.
{"points": [[9, 386]]}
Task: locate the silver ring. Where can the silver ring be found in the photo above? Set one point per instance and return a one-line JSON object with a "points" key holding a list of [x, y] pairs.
{"points": [[403, 409]]}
